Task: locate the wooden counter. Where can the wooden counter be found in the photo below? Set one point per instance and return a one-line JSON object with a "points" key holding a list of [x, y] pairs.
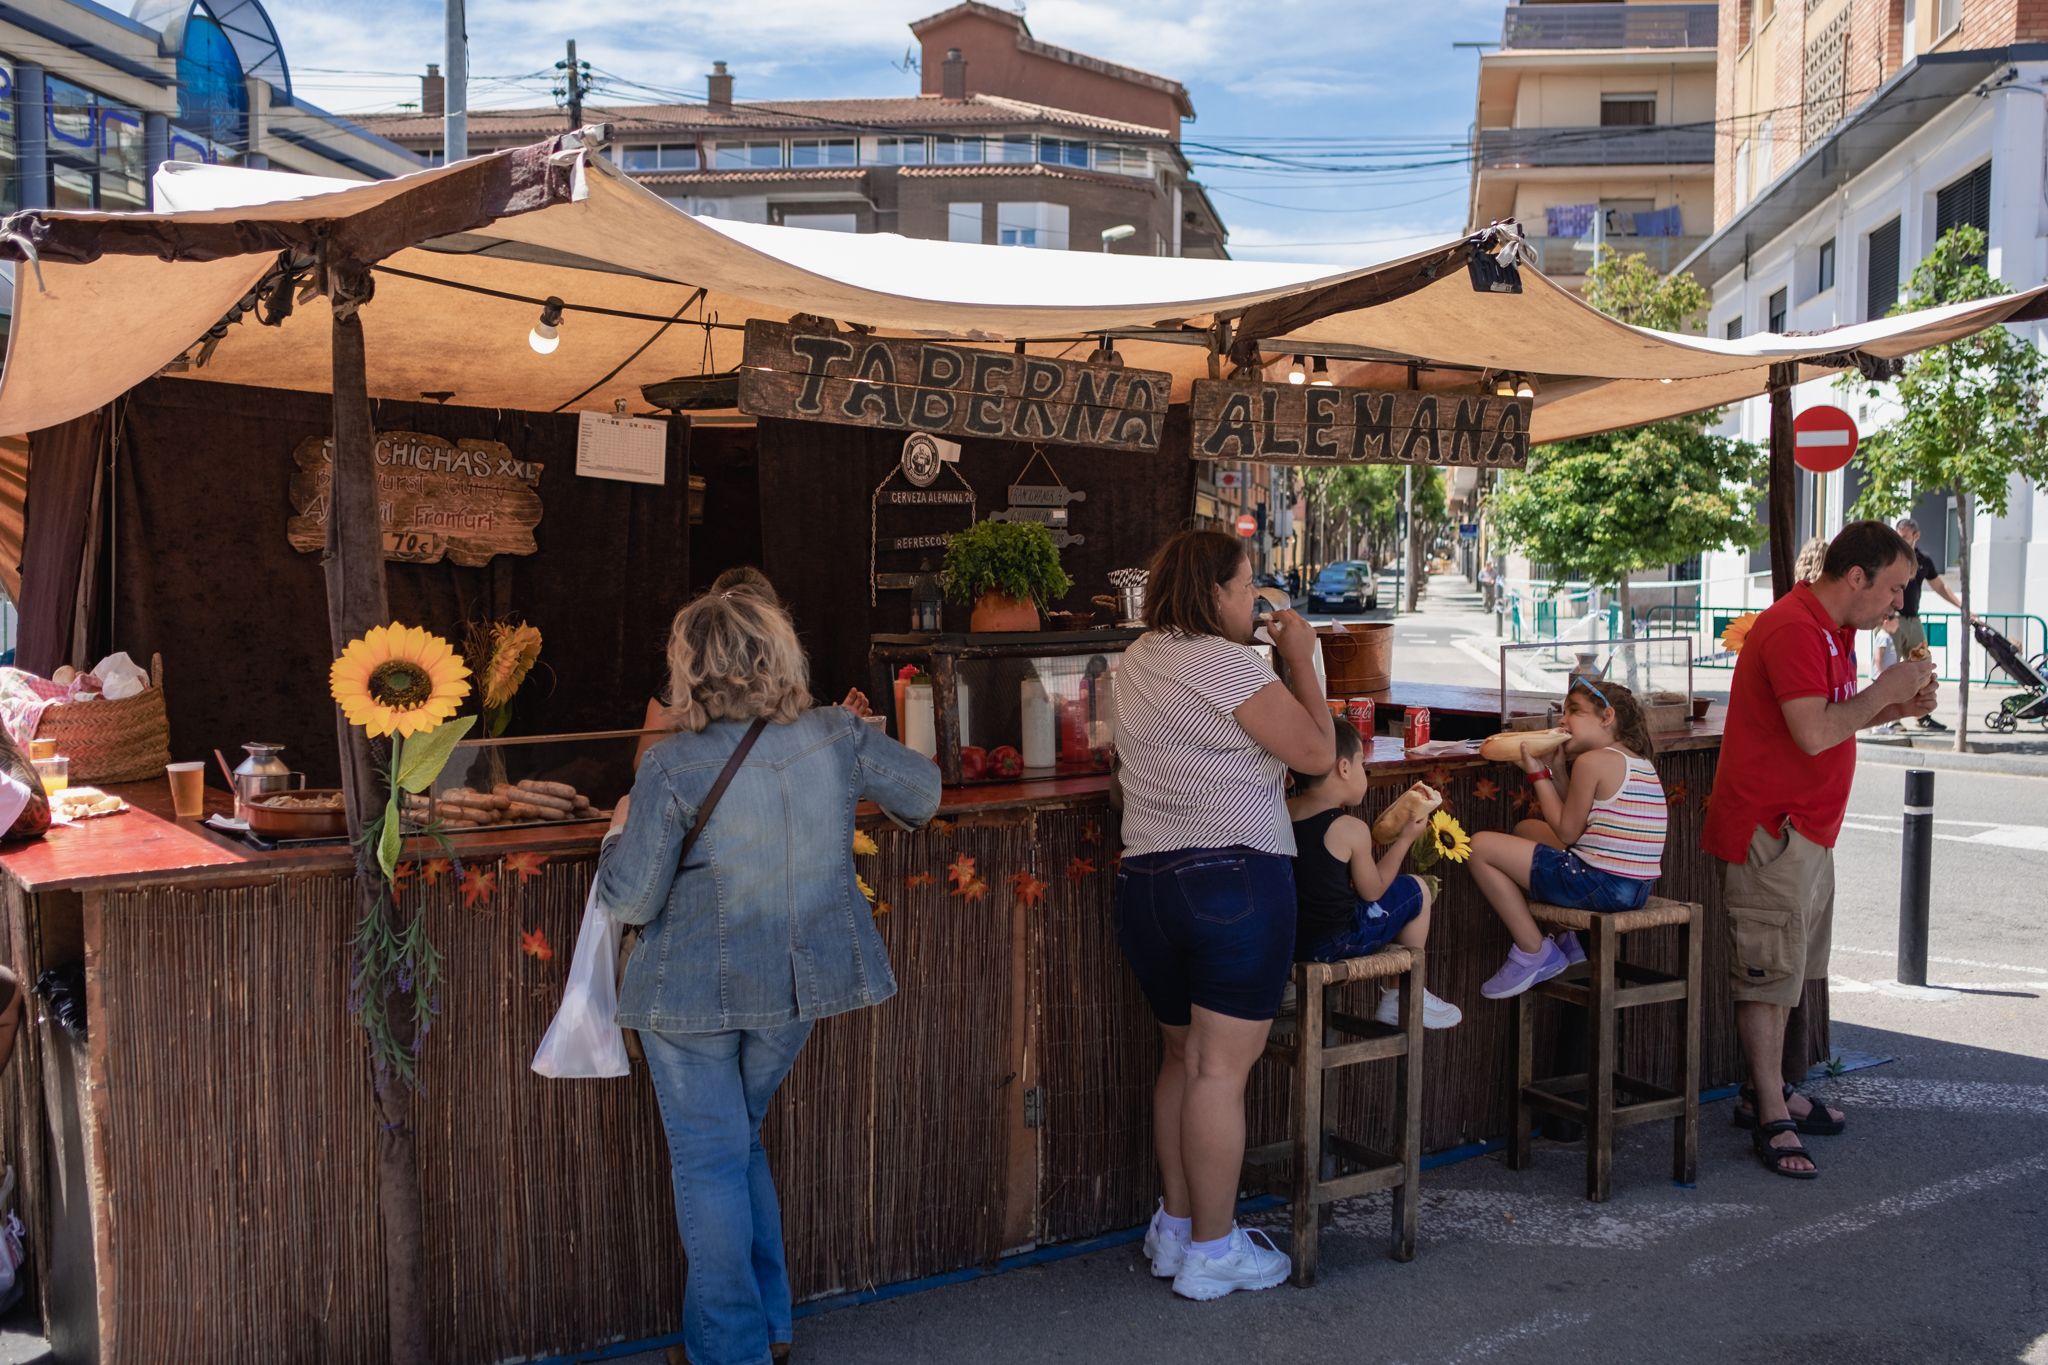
{"points": [[198, 1174]]}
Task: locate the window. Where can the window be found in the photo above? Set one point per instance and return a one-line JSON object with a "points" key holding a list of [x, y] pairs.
{"points": [[1965, 202], [1122, 160], [1776, 311], [1766, 153], [963, 222], [1946, 17], [1618, 216], [742, 156], [1909, 31], [1039, 225], [672, 156], [1881, 280], [96, 155], [948, 150], [1627, 111], [824, 152], [1742, 174], [1060, 151], [10, 198], [1734, 329], [820, 222], [1014, 148], [899, 151], [1824, 267]]}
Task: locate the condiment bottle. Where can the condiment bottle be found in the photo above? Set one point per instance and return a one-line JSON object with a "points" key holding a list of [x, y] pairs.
{"points": [[1036, 709]]}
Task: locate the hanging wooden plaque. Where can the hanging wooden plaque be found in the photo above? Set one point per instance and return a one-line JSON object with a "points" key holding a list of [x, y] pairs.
{"points": [[461, 500], [1311, 424], [948, 390]]}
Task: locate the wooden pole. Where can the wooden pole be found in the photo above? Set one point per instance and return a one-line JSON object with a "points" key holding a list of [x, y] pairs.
{"points": [[354, 567], [1784, 535]]}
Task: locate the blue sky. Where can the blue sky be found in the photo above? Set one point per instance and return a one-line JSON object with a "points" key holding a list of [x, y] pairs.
{"points": [[1371, 89]]}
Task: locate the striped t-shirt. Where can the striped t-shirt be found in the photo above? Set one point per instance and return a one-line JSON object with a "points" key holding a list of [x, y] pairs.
{"points": [[1192, 777], [1625, 833]]}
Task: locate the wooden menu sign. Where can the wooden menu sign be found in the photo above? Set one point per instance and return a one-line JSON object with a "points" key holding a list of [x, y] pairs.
{"points": [[948, 390], [1310, 424], [465, 500]]}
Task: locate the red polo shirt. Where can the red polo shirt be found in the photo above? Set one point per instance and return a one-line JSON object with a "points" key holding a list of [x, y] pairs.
{"points": [[1795, 649]]}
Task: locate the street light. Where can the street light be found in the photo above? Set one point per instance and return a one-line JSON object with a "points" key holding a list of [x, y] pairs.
{"points": [[1121, 232]]}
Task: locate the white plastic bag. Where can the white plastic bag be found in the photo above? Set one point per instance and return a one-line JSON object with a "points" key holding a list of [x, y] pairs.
{"points": [[584, 1042]]}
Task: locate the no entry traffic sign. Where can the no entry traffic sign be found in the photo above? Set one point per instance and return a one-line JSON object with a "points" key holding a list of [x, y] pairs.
{"points": [[1823, 438], [1247, 525]]}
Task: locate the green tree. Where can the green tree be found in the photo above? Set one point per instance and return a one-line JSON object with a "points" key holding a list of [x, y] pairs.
{"points": [[1972, 416], [1603, 507]]}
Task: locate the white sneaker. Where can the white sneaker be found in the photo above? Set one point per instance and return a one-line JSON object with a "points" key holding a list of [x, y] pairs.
{"points": [[1166, 1250], [1436, 1011], [1244, 1264]]}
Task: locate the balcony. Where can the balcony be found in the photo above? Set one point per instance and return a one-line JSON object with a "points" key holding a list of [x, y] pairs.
{"points": [[1642, 145], [1559, 256], [1556, 28]]}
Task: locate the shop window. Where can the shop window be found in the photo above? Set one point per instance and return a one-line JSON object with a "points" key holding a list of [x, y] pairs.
{"points": [[743, 156], [824, 152], [1881, 280], [899, 151], [1627, 111], [948, 150]]}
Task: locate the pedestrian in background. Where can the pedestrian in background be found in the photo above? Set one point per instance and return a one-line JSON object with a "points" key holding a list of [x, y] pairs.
{"points": [[1911, 633]]}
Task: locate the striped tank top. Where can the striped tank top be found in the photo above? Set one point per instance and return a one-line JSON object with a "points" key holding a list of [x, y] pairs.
{"points": [[1625, 833]]}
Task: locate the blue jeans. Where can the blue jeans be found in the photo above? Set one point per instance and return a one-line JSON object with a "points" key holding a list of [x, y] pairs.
{"points": [[1562, 877], [1207, 926], [714, 1090]]}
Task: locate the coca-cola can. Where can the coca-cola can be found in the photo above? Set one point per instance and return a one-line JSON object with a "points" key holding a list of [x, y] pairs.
{"points": [[1359, 711], [1416, 732]]}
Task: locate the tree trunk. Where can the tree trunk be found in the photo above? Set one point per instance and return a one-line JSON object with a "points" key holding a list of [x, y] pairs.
{"points": [[1966, 521], [355, 602]]}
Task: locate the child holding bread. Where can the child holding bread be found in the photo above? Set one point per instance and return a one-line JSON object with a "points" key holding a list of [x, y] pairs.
{"points": [[1348, 904], [1599, 845]]}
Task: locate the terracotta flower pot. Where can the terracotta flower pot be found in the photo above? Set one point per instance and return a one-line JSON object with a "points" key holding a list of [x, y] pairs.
{"points": [[994, 612]]}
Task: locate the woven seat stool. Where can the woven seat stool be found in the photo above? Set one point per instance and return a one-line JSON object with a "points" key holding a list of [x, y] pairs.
{"points": [[1314, 1166], [1604, 985]]}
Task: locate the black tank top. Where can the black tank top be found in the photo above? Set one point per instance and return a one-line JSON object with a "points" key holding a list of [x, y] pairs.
{"points": [[1325, 901]]}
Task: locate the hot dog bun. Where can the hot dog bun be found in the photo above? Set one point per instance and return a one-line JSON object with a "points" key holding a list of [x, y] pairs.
{"points": [[1418, 801], [1919, 653], [1509, 745]]}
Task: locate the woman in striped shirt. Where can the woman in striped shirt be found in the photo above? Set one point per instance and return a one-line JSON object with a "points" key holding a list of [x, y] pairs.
{"points": [[1598, 846], [1205, 891]]}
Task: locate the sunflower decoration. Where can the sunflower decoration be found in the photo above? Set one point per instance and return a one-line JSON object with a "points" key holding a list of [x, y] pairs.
{"points": [[1736, 631], [1449, 837], [398, 680], [510, 650]]}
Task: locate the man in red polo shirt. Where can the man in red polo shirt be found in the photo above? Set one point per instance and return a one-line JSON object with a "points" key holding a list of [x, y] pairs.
{"points": [[1782, 788]]}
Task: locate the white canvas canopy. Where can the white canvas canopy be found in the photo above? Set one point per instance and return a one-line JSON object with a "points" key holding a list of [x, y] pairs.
{"points": [[86, 331]]}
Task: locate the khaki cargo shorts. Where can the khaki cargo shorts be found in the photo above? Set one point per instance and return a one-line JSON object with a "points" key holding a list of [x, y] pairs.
{"points": [[1781, 911]]}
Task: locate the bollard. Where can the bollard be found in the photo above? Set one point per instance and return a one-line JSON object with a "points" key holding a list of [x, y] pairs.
{"points": [[1916, 876]]}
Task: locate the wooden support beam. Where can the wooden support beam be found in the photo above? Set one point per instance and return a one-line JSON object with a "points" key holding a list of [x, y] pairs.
{"points": [[1782, 485]]}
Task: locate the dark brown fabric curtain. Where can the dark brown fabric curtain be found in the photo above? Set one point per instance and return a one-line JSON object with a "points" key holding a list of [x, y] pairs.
{"points": [[13, 511], [201, 570], [817, 484], [58, 519]]}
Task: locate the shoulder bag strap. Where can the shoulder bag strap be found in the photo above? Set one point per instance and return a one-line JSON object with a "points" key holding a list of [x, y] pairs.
{"points": [[732, 765]]}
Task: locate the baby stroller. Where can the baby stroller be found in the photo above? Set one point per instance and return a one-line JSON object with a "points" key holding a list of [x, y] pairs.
{"points": [[2030, 703]]}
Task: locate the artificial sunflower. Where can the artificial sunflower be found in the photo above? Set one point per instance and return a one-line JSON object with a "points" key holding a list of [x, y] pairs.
{"points": [[399, 680], [1736, 631], [514, 652], [1449, 837]]}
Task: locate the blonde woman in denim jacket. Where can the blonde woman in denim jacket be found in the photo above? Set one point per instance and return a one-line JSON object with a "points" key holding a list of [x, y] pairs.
{"points": [[761, 935]]}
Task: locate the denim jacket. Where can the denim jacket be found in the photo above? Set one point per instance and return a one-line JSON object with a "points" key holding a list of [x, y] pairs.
{"points": [[766, 924]]}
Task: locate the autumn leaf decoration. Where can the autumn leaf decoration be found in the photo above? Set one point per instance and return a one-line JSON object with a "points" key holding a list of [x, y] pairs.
{"points": [[534, 943], [1030, 890], [1091, 833], [433, 869], [917, 879], [527, 865], [1485, 789], [401, 875], [1675, 794], [1079, 868], [478, 885], [1440, 778], [864, 844], [967, 883]]}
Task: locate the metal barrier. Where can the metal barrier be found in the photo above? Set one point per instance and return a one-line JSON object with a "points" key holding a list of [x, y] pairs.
{"points": [[1947, 637]]}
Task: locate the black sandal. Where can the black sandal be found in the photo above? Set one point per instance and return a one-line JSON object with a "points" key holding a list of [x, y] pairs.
{"points": [[1815, 1124], [1774, 1158]]}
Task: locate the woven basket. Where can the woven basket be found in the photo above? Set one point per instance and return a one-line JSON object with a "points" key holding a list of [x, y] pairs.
{"points": [[113, 741]]}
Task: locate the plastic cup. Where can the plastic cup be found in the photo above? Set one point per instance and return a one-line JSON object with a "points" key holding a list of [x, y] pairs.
{"points": [[188, 789], [55, 771], [42, 748], [880, 723]]}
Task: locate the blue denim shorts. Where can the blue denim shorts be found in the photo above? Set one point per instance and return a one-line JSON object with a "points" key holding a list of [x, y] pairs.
{"points": [[1207, 926], [1561, 877], [1374, 924]]}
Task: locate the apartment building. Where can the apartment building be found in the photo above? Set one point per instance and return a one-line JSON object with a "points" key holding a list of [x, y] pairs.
{"points": [[1595, 126], [1856, 133]]}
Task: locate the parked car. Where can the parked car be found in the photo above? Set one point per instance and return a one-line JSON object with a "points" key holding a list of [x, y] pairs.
{"points": [[1365, 571], [1337, 588]]}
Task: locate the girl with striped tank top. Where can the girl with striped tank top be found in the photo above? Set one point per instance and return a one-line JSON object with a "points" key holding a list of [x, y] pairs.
{"points": [[1599, 845]]}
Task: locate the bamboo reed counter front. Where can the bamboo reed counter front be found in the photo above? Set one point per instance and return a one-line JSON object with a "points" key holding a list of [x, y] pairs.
{"points": [[199, 1167]]}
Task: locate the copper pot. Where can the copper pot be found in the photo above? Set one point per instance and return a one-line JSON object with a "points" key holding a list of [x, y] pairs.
{"points": [[292, 815]]}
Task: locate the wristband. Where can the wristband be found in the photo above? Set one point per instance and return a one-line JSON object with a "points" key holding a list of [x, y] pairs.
{"points": [[1541, 775]]}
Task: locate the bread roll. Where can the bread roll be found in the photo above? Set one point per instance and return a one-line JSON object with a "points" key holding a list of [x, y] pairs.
{"points": [[1418, 801], [1920, 653], [1509, 745]]}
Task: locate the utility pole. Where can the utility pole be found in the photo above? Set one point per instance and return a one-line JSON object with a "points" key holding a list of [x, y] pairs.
{"points": [[574, 89], [455, 61]]}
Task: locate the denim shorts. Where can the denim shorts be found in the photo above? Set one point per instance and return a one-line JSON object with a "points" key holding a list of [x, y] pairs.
{"points": [[1208, 926], [1561, 877], [1374, 924]]}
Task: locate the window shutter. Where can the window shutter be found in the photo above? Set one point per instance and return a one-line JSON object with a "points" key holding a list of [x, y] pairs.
{"points": [[1965, 201], [1881, 288]]}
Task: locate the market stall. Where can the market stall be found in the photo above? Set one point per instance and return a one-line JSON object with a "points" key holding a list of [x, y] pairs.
{"points": [[208, 1170]]}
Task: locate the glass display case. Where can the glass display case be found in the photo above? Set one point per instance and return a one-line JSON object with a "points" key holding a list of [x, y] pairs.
{"points": [[1001, 707], [530, 780]]}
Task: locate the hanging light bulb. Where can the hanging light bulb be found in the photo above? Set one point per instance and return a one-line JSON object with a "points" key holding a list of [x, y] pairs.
{"points": [[1320, 377], [1295, 373], [1524, 388], [1504, 386], [547, 334], [1105, 353]]}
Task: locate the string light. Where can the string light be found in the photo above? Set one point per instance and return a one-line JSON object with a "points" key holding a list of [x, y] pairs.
{"points": [[1525, 388], [1504, 386], [547, 333], [1295, 373]]}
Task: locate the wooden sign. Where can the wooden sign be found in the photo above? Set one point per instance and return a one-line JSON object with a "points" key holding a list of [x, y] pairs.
{"points": [[1311, 424], [465, 500], [948, 390]]}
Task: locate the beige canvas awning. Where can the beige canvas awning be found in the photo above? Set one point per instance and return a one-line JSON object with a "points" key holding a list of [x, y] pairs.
{"points": [[86, 330]]}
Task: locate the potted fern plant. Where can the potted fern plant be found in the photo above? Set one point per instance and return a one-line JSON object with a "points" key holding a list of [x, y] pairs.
{"points": [[1008, 571]]}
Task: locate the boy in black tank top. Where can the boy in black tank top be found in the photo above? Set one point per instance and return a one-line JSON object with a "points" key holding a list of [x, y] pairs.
{"points": [[1347, 904]]}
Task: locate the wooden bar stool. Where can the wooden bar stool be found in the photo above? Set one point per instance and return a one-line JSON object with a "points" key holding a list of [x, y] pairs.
{"points": [[1315, 1167], [1604, 985]]}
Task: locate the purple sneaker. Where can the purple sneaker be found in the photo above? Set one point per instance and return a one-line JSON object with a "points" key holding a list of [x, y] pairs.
{"points": [[1520, 972], [1568, 943]]}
